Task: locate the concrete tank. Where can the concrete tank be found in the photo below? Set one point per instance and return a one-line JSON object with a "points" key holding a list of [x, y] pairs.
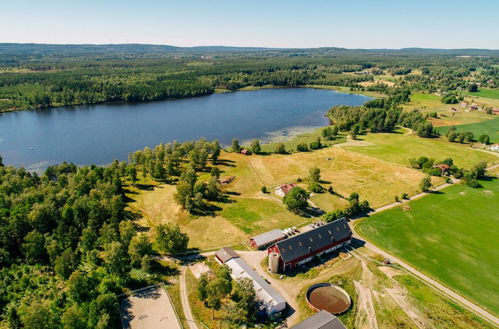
{"points": [[274, 262]]}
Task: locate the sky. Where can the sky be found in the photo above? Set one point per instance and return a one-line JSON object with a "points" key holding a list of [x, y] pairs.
{"points": [[265, 23]]}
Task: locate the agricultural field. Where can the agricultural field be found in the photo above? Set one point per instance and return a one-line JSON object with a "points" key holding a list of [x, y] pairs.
{"points": [[488, 127], [450, 235], [429, 103], [399, 148], [487, 93]]}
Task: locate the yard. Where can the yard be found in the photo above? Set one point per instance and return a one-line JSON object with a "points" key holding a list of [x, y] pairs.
{"points": [[399, 148], [451, 235], [487, 93]]}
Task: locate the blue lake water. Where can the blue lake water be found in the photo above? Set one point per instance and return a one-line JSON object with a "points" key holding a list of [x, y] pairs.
{"points": [[98, 134]]}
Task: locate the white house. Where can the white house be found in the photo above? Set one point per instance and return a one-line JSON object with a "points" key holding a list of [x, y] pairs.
{"points": [[494, 148], [284, 189]]}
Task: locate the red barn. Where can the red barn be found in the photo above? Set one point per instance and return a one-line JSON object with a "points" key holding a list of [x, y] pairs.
{"points": [[300, 249]]}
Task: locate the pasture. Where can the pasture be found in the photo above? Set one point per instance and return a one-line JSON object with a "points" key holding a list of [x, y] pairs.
{"points": [[450, 235], [487, 93], [399, 148], [488, 127]]}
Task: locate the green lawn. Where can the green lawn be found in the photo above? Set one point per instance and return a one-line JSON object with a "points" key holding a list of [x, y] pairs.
{"points": [[255, 216], [488, 127], [487, 93], [453, 236], [399, 148]]}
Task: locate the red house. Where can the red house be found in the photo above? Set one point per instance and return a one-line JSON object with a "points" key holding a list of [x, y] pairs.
{"points": [[300, 249]]}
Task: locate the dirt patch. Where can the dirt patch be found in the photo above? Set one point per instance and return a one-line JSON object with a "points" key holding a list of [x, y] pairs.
{"points": [[198, 269], [148, 308], [366, 315], [329, 298]]}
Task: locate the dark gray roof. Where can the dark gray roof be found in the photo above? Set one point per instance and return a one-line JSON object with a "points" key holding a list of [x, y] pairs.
{"points": [[268, 237], [321, 320], [225, 254], [318, 238]]}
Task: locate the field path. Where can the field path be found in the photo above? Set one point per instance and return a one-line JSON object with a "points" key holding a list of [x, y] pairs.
{"points": [[185, 301]]}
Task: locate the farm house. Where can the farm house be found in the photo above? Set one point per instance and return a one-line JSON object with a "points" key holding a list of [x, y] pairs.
{"points": [[300, 249]]}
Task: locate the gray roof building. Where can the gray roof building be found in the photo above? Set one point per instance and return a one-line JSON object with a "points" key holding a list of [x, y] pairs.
{"points": [[313, 241], [225, 254], [268, 238], [321, 320]]}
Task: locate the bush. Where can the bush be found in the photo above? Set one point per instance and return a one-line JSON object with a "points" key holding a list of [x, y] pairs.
{"points": [[264, 189], [404, 196], [280, 148], [315, 187], [302, 147]]}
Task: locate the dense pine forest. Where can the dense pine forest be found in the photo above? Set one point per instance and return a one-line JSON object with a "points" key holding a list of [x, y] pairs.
{"points": [[41, 76]]}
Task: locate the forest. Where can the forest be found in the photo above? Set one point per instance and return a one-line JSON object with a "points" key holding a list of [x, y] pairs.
{"points": [[42, 76]]}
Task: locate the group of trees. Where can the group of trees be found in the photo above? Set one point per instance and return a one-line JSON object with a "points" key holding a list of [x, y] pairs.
{"points": [[431, 168], [237, 299], [465, 136], [67, 246], [355, 208]]}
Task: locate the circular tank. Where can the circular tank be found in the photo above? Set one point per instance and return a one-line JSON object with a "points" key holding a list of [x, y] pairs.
{"points": [[274, 262], [325, 296]]}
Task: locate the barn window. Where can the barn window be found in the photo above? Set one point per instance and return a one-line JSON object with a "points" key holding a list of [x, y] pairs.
{"points": [[320, 236], [337, 228], [290, 247], [329, 231], [311, 239], [300, 244]]}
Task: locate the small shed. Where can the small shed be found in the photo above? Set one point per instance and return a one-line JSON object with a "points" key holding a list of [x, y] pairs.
{"points": [[245, 152], [284, 189], [267, 239], [443, 167]]}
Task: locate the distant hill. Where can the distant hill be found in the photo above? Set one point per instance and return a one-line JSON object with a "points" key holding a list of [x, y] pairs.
{"points": [[33, 49]]}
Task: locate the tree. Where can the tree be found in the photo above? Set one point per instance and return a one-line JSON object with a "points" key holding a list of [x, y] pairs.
{"points": [[132, 173], [65, 264], [80, 286], [317, 144], [280, 148], [255, 146], [215, 154], [139, 247], [34, 247], [264, 189], [314, 174], [185, 188], [425, 184], [479, 171], [1, 161], [170, 240], [296, 199], [484, 139], [116, 260], [354, 196], [246, 304], [302, 147], [473, 88], [451, 137], [235, 145]]}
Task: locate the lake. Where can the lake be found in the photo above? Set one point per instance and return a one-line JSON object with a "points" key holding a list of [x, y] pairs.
{"points": [[98, 134]]}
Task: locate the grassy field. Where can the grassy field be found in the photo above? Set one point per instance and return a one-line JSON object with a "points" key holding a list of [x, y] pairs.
{"points": [[488, 127], [487, 93], [451, 235], [250, 212], [399, 148], [431, 103]]}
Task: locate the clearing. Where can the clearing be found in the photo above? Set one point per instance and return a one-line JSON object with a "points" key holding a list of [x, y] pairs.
{"points": [[487, 93], [451, 235]]}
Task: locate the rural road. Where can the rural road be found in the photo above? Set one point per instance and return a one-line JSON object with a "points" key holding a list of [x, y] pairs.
{"points": [[443, 289], [185, 301]]}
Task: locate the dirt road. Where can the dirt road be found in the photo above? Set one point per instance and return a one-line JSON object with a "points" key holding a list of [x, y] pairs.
{"points": [[185, 302]]}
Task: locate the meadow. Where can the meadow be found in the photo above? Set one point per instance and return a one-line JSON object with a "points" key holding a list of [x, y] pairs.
{"points": [[248, 211], [450, 235], [488, 127], [399, 148], [487, 93]]}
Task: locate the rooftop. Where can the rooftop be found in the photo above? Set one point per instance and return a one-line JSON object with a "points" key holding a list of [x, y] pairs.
{"points": [[225, 254], [321, 320], [268, 237], [263, 290], [302, 244]]}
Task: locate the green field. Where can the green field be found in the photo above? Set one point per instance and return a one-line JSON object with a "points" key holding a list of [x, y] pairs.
{"points": [[487, 93], [452, 236], [488, 127], [399, 148]]}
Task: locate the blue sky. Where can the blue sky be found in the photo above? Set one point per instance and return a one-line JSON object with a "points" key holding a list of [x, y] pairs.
{"points": [[270, 23]]}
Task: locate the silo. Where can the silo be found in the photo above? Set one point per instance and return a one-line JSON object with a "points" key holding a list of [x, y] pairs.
{"points": [[274, 262]]}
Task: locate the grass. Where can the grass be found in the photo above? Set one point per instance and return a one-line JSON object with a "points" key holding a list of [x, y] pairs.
{"points": [[174, 292], [452, 236], [428, 103], [399, 148], [488, 127], [487, 93]]}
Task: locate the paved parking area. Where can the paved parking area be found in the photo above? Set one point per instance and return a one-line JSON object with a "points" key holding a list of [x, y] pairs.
{"points": [[148, 308]]}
